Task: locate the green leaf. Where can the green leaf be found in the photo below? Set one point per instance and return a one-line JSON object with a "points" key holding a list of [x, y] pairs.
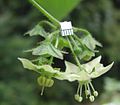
{"points": [[37, 30], [47, 48], [86, 54], [58, 8], [82, 51], [90, 42]]}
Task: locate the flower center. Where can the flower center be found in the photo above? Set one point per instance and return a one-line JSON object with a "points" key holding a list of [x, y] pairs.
{"points": [[89, 91]]}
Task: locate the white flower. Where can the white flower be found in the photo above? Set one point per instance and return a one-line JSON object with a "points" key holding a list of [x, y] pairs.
{"points": [[84, 75]]}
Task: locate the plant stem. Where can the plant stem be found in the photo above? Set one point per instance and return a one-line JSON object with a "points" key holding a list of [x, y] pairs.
{"points": [[73, 41], [76, 59], [77, 38], [48, 23], [50, 17]]}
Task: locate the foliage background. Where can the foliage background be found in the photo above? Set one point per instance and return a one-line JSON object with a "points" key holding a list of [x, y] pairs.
{"points": [[19, 86]]}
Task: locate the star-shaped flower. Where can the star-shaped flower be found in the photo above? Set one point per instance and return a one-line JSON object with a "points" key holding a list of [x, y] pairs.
{"points": [[90, 70]]}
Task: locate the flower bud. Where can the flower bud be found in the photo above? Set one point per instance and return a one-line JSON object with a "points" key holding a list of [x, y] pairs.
{"points": [[92, 98], [95, 93]]}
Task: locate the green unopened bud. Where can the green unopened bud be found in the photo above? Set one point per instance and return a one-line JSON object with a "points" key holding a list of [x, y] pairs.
{"points": [[87, 92], [92, 98], [80, 99], [77, 97], [95, 93]]}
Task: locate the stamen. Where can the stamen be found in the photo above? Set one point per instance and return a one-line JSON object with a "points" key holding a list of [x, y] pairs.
{"points": [[94, 91], [78, 88], [81, 90], [92, 86], [86, 91], [88, 88]]}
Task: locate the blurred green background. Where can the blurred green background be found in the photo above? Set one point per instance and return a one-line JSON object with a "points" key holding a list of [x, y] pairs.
{"points": [[19, 87]]}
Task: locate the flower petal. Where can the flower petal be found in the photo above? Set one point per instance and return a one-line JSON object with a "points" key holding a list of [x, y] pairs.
{"points": [[28, 64], [69, 77], [90, 65], [79, 76], [44, 68], [101, 70], [71, 68]]}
